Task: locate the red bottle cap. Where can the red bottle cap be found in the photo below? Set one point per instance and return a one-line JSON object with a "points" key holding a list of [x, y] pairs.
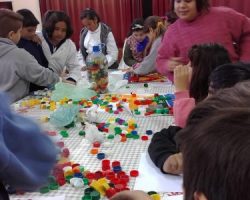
{"points": [[134, 173]]}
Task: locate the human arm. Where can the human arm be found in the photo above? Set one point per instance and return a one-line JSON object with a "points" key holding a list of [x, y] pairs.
{"points": [[28, 69], [72, 64], [239, 26], [112, 50], [128, 57], [163, 145], [131, 195], [168, 54], [27, 155], [183, 104], [148, 63]]}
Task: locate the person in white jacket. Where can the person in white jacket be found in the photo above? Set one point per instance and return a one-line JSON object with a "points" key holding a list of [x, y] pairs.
{"points": [[58, 48], [95, 32]]}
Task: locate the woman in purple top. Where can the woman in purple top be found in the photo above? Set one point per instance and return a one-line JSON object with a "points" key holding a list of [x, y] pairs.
{"points": [[199, 23]]}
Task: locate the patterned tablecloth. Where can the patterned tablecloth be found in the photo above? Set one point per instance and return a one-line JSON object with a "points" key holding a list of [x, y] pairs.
{"points": [[127, 153]]}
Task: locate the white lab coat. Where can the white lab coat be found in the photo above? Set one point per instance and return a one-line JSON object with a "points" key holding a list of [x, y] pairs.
{"points": [[65, 56]]}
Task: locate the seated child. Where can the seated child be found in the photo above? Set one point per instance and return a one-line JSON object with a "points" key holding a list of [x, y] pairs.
{"points": [[135, 43], [58, 48], [204, 59], [154, 28], [17, 67], [28, 34]]}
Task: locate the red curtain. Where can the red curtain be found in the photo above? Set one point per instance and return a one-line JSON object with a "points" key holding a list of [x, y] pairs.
{"points": [[242, 6], [160, 7], [118, 14]]}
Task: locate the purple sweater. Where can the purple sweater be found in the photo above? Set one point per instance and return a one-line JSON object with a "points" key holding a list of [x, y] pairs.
{"points": [[219, 25]]}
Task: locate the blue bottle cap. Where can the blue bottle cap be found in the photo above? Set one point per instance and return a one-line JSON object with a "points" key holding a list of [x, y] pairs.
{"points": [[96, 48]]}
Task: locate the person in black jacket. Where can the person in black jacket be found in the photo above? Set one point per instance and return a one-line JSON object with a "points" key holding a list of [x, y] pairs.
{"points": [[31, 42], [164, 150]]}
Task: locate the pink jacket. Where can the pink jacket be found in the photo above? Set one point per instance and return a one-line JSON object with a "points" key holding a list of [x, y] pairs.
{"points": [[183, 105], [219, 25]]}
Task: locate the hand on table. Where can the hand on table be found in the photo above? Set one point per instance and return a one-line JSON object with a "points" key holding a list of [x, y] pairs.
{"points": [[174, 164], [131, 195]]}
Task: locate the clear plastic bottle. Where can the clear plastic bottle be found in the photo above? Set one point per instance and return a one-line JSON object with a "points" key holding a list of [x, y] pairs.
{"points": [[97, 68]]}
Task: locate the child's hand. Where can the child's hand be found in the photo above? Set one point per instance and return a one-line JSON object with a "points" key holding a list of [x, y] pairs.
{"points": [[173, 62], [37, 39], [173, 165], [68, 81], [131, 195], [182, 75]]}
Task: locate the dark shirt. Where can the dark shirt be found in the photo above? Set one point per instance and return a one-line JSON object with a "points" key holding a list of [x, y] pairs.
{"points": [[35, 50], [163, 145], [3, 193]]}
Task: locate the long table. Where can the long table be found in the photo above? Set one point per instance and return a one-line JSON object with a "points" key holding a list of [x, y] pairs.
{"points": [[127, 153]]}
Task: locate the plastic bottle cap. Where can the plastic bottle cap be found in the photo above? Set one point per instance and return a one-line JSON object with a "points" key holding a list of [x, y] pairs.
{"points": [[149, 132], [96, 48], [144, 138], [134, 173], [116, 163], [96, 144], [100, 156]]}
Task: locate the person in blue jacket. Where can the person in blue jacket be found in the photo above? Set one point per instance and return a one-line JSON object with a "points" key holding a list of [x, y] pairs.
{"points": [[27, 155]]}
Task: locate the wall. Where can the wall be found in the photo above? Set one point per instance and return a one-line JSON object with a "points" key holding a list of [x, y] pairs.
{"points": [[32, 5]]}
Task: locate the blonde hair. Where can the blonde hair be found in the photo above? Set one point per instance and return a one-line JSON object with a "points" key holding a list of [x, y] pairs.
{"points": [[156, 23]]}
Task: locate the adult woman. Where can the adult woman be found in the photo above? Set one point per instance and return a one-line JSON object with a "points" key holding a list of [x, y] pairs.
{"points": [[95, 32], [198, 23]]}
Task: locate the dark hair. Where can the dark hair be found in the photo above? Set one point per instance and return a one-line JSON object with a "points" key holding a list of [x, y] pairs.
{"points": [[204, 59], [215, 156], [90, 14], [171, 17], [52, 17], [200, 5], [29, 18], [156, 23], [137, 25], [228, 75], [237, 96], [9, 21]]}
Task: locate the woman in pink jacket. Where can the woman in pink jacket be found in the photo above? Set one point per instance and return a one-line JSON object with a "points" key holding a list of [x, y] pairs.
{"points": [[199, 23]]}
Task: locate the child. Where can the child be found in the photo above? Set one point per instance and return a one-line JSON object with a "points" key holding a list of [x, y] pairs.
{"points": [[199, 23], [58, 48], [154, 28], [214, 152], [28, 34], [204, 59], [163, 148], [27, 154], [96, 32], [135, 44], [215, 156], [17, 67]]}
